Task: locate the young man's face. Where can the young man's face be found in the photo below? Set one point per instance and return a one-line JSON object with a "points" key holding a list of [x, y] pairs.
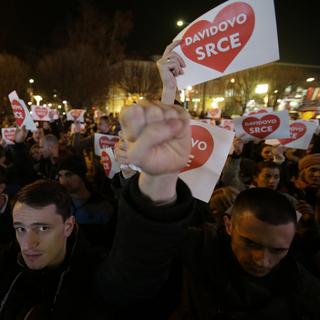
{"points": [[268, 178], [266, 153], [71, 181], [259, 246], [103, 126], [312, 176], [42, 235]]}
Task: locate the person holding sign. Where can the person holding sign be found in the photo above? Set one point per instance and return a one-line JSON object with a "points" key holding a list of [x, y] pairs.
{"points": [[243, 273]]}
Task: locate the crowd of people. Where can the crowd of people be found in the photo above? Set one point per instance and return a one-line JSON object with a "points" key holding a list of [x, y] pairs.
{"points": [[78, 245]]}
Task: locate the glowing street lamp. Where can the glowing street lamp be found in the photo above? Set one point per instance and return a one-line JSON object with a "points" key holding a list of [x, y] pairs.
{"points": [[38, 99], [180, 23], [262, 88], [310, 79], [31, 80]]}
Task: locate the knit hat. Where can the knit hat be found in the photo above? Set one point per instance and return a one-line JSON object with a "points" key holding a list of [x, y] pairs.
{"points": [[309, 160], [74, 163]]}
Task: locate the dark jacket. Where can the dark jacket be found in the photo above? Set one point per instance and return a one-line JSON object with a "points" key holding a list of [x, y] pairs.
{"points": [[214, 284], [93, 285]]}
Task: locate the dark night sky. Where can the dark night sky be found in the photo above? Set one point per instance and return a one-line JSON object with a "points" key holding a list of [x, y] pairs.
{"points": [[28, 26]]}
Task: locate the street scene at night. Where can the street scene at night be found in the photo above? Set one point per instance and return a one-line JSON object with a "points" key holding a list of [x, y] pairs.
{"points": [[159, 161]]}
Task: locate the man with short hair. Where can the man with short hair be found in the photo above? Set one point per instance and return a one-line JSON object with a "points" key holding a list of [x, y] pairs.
{"points": [[247, 273], [92, 210], [53, 273]]}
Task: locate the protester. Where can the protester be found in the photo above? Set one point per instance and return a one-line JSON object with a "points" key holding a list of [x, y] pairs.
{"points": [[93, 212], [246, 274], [53, 274]]}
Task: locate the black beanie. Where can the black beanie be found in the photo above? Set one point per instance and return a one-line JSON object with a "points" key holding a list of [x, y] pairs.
{"points": [[74, 163]]}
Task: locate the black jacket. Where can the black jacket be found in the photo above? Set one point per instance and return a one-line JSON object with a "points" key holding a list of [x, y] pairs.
{"points": [[214, 284]]}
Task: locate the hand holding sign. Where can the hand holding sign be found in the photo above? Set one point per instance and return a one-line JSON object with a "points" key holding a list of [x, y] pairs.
{"points": [[170, 66]]}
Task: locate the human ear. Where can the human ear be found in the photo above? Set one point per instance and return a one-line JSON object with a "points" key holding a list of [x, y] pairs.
{"points": [[68, 226], [228, 224]]}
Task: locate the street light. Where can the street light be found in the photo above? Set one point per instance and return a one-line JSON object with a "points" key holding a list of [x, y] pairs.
{"points": [[262, 88], [31, 80], [38, 99], [180, 23], [310, 79]]}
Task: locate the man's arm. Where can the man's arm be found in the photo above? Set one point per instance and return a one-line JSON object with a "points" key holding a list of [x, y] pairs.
{"points": [[155, 208]]}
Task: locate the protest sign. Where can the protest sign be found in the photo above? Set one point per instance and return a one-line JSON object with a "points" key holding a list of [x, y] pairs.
{"points": [[234, 36], [8, 135], [103, 141], [210, 148], [263, 125], [40, 113], [76, 115], [21, 112], [301, 132], [110, 165]]}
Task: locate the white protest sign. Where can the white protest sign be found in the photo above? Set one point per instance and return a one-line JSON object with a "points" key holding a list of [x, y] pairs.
{"points": [[110, 165], [21, 112], [271, 125], [262, 110], [54, 114], [234, 36], [103, 141], [40, 113], [8, 135], [208, 121], [76, 115], [301, 133], [210, 148], [227, 124]]}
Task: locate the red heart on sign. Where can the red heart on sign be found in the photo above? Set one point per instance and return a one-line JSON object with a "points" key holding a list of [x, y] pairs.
{"points": [[297, 130], [216, 44], [105, 141], [41, 112], [106, 162], [257, 112], [202, 147], [261, 128], [75, 113], [9, 134], [18, 112]]}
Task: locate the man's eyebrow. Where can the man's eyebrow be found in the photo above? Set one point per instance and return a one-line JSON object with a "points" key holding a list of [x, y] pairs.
{"points": [[258, 244], [36, 224]]}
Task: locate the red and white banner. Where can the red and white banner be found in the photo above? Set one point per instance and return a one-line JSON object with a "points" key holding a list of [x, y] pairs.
{"points": [[234, 36], [21, 112], [301, 132], [110, 165], [103, 141], [271, 125], [261, 110], [8, 135], [76, 115], [40, 113], [210, 148], [54, 114]]}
